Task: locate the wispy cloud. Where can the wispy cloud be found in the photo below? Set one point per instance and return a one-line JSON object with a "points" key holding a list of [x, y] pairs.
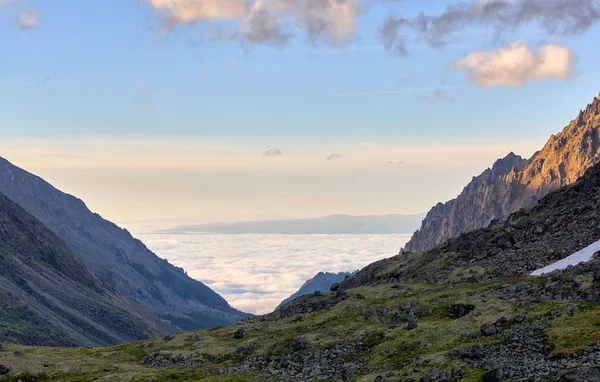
{"points": [[394, 91], [149, 97], [273, 152], [553, 17], [435, 96], [333, 157], [28, 16], [28, 19]]}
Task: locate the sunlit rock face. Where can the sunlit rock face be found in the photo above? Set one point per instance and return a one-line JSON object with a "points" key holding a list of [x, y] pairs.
{"points": [[513, 182]]}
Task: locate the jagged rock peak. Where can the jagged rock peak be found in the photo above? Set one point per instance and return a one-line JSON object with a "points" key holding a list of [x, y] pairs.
{"points": [[591, 112], [513, 183], [504, 165]]}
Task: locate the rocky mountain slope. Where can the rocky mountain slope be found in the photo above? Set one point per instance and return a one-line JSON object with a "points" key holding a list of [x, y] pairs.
{"points": [[49, 297], [321, 282], [464, 311], [122, 261], [513, 182]]}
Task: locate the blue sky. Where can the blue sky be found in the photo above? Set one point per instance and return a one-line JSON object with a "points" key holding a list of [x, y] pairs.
{"points": [[84, 68], [109, 70]]}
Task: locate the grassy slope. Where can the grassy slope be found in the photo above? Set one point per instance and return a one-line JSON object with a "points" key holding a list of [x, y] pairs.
{"points": [[390, 347]]}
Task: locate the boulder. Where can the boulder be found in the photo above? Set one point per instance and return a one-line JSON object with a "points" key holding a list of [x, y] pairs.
{"points": [[488, 330], [239, 334], [461, 310]]}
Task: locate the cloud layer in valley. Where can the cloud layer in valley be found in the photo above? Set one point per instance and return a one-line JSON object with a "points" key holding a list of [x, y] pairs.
{"points": [[259, 271]]}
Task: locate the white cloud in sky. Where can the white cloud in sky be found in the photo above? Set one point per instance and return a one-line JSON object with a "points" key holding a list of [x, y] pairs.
{"points": [[259, 271], [28, 19], [517, 64], [193, 11], [271, 22]]}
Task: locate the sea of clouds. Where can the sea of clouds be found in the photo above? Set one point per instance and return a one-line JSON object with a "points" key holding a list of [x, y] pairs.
{"points": [[255, 272]]}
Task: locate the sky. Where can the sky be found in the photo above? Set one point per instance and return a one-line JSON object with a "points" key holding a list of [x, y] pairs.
{"points": [[190, 111]]}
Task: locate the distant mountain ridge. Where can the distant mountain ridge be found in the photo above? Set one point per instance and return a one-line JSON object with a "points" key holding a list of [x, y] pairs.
{"points": [[332, 224], [320, 282], [49, 297], [513, 182], [122, 261]]}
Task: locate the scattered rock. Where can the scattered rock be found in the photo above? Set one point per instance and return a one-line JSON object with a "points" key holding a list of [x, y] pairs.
{"points": [[493, 376], [194, 337], [239, 334], [298, 344], [488, 330], [406, 306], [334, 287], [461, 310], [4, 370]]}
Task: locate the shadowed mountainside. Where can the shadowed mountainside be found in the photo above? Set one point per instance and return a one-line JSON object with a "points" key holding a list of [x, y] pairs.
{"points": [[49, 297], [122, 261]]}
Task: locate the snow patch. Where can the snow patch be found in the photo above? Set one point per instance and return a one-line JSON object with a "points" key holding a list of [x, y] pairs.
{"points": [[582, 256]]}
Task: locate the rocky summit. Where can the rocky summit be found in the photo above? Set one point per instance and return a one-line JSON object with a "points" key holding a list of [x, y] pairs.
{"points": [[466, 310], [119, 259], [513, 183]]}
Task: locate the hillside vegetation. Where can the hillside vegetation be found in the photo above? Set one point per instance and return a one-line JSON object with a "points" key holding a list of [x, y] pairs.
{"points": [[464, 311]]}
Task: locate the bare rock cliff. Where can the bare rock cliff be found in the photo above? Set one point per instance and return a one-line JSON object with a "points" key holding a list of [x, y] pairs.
{"points": [[514, 183]]}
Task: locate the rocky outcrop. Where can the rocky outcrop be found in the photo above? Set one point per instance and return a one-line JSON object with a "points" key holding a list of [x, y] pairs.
{"points": [[513, 183], [119, 259], [49, 297], [322, 282]]}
